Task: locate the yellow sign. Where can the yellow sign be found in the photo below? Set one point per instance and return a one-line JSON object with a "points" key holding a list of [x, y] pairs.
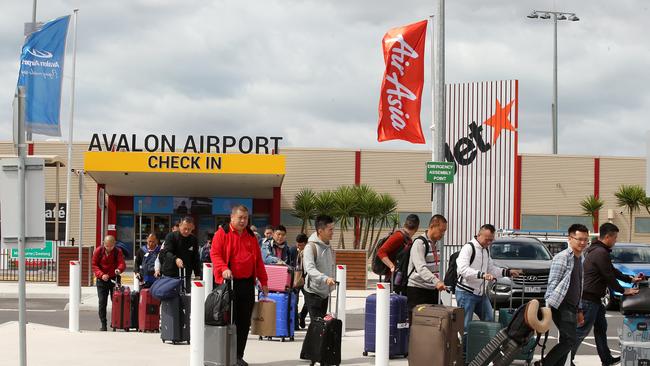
{"points": [[145, 162]]}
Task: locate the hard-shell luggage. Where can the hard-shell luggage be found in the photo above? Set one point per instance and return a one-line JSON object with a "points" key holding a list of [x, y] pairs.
{"points": [[322, 342], [436, 336], [638, 304], [121, 308], [479, 333], [220, 342], [285, 316], [398, 326], [635, 328], [175, 317], [148, 312], [635, 353], [279, 277]]}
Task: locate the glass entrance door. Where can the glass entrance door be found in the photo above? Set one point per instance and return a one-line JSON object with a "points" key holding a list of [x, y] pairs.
{"points": [[159, 224]]}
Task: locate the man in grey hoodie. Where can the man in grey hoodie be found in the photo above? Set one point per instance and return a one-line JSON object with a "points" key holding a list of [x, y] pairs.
{"points": [[318, 265]]}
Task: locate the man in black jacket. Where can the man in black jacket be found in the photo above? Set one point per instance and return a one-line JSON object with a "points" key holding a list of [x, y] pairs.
{"points": [[181, 250], [599, 274]]}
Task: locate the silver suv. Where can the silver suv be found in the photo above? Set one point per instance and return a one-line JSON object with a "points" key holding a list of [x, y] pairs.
{"points": [[528, 254]]}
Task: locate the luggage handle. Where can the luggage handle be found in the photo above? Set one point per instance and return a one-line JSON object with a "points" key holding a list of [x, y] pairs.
{"points": [[181, 275], [336, 283], [523, 289]]}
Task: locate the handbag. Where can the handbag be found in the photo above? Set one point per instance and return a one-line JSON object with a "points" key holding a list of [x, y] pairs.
{"points": [[166, 288]]}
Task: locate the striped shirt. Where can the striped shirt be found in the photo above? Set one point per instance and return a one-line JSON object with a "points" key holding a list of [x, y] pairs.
{"points": [[559, 278]]}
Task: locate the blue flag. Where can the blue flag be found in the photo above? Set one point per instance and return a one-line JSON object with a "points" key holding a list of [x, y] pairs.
{"points": [[41, 73]]}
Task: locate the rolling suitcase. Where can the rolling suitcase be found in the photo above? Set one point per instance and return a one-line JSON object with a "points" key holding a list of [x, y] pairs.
{"points": [[135, 303], [121, 308], [279, 277], [479, 333], [398, 325], [285, 317], [322, 342], [435, 336], [175, 317], [505, 316], [220, 343], [148, 312]]}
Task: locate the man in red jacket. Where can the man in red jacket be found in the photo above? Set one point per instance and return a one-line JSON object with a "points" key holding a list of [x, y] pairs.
{"points": [[108, 262], [236, 256], [394, 245]]}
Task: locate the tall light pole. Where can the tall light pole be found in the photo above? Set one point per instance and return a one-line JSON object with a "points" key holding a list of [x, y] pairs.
{"points": [[556, 15]]}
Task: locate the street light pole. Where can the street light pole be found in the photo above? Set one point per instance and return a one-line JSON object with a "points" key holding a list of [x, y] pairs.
{"points": [[557, 15]]}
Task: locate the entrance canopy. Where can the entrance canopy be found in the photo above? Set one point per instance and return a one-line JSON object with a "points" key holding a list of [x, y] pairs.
{"points": [[186, 174]]}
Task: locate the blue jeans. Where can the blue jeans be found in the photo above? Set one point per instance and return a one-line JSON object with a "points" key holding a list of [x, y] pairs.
{"points": [[474, 304], [594, 317]]}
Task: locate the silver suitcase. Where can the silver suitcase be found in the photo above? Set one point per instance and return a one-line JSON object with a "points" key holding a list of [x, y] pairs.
{"points": [[220, 345]]}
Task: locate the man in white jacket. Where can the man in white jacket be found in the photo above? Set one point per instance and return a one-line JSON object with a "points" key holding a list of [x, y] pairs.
{"points": [[475, 271]]}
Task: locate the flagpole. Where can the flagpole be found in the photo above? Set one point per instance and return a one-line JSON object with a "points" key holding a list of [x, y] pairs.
{"points": [[29, 133], [70, 135], [438, 127]]}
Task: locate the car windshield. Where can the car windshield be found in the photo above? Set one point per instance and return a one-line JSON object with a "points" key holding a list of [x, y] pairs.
{"points": [[513, 250], [631, 255]]}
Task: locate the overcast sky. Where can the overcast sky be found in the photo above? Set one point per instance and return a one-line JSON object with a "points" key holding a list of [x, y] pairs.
{"points": [[310, 71]]}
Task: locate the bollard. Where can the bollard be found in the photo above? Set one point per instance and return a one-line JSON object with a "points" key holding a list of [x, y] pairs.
{"points": [[73, 301], [208, 278], [197, 323], [136, 283], [382, 324], [341, 277]]}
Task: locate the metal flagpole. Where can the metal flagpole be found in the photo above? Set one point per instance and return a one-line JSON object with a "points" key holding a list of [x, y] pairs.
{"points": [[22, 152], [33, 28], [70, 135], [438, 127]]}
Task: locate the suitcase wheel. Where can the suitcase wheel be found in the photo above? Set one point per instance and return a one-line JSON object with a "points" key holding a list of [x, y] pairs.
{"points": [[282, 340], [291, 339], [261, 338], [113, 329], [126, 330], [365, 353]]}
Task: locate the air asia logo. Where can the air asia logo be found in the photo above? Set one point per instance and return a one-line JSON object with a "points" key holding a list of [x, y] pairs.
{"points": [[40, 54], [466, 148], [396, 91]]}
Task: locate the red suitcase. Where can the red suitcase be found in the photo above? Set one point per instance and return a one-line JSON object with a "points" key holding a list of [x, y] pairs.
{"points": [[148, 312], [121, 311], [279, 277]]}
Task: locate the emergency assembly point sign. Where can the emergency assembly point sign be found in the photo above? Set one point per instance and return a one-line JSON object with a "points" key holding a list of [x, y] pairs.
{"points": [[439, 172]]}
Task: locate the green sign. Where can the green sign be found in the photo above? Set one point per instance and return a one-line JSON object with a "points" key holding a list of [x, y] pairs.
{"points": [[36, 253], [440, 172]]}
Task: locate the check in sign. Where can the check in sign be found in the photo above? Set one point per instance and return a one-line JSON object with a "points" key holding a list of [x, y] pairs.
{"points": [[439, 172]]}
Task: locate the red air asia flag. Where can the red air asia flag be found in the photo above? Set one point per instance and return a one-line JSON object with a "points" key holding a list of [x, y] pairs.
{"points": [[401, 88]]}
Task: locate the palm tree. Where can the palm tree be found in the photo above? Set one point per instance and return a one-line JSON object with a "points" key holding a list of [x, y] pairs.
{"points": [[591, 205], [631, 197], [367, 210], [324, 203], [387, 206], [304, 207], [345, 204], [361, 193]]}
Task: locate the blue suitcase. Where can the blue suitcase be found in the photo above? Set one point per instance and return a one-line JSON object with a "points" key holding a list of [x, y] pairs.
{"points": [[398, 326], [285, 316]]}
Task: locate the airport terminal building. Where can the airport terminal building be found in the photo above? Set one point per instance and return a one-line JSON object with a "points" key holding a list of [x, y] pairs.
{"points": [[151, 185]]}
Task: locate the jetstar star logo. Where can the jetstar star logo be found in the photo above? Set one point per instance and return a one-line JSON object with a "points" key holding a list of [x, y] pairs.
{"points": [[466, 148]]}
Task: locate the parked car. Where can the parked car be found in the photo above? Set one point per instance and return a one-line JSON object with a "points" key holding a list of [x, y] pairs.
{"points": [[630, 259], [528, 254]]}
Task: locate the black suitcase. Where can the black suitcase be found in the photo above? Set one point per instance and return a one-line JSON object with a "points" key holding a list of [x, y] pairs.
{"points": [[322, 342], [175, 318], [135, 303]]}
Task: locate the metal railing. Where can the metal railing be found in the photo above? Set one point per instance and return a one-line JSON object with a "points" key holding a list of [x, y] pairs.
{"points": [[37, 269]]}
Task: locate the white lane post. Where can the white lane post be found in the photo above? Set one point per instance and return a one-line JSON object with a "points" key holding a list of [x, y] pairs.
{"points": [[208, 278], [197, 323], [136, 283], [381, 324], [341, 276], [73, 301]]}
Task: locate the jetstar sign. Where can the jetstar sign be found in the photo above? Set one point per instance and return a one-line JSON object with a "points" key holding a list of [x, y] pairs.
{"points": [[466, 149]]}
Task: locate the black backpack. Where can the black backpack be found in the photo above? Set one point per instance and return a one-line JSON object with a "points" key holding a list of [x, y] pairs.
{"points": [[451, 275], [401, 277], [378, 267], [217, 305]]}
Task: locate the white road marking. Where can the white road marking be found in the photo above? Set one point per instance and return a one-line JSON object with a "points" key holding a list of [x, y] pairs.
{"points": [[33, 310]]}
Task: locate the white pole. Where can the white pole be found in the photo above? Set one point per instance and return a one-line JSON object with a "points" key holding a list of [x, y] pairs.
{"points": [[341, 276], [81, 223], [208, 279], [73, 305], [22, 152], [197, 323], [70, 133], [382, 329]]}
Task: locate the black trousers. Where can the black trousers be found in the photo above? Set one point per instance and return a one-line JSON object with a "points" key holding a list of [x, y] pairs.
{"points": [[243, 301], [417, 296], [565, 319], [305, 309], [316, 305], [104, 291]]}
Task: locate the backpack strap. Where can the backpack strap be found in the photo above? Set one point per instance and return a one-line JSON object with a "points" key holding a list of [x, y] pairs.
{"points": [[426, 249], [542, 345], [473, 256]]}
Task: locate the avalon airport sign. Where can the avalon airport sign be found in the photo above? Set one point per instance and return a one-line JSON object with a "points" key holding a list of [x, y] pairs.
{"points": [[191, 154]]}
